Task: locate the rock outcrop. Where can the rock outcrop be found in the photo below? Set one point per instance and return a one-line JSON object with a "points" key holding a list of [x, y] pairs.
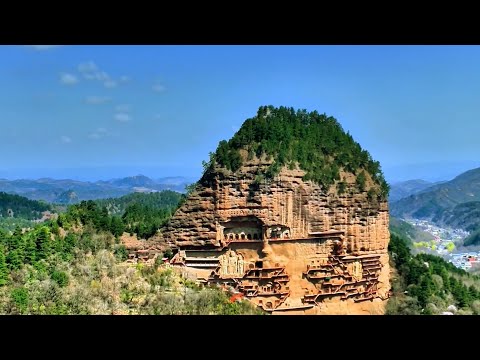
{"points": [[290, 224], [292, 214]]}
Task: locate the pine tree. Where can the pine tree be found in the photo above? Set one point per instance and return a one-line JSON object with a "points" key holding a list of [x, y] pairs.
{"points": [[14, 260], [13, 242], [3, 267], [55, 228], [30, 250], [58, 245], [43, 243], [116, 226], [70, 242], [3, 237], [473, 292]]}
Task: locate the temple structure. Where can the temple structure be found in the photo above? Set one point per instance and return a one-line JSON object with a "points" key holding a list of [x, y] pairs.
{"points": [[287, 245]]}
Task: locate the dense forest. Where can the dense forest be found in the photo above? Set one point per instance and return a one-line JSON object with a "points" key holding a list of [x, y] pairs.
{"points": [[427, 284], [473, 239], [316, 143], [157, 200], [137, 213], [142, 214], [18, 211], [21, 207], [143, 219], [10, 224], [75, 265], [465, 216]]}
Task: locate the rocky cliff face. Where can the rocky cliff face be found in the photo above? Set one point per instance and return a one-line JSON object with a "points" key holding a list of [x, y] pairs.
{"points": [[286, 244], [302, 207]]}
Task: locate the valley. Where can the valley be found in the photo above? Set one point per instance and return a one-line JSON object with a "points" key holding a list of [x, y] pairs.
{"points": [[446, 244]]}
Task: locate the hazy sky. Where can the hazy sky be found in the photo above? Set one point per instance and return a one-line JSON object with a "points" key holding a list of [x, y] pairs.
{"points": [[91, 112]]}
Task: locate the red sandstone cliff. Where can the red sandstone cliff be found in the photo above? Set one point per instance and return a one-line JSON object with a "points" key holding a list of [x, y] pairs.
{"points": [[287, 200]]}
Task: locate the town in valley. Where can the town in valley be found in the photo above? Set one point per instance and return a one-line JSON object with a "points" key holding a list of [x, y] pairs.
{"points": [[447, 243]]}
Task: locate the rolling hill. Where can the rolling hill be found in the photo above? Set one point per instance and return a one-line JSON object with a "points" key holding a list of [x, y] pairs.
{"points": [[20, 207]]}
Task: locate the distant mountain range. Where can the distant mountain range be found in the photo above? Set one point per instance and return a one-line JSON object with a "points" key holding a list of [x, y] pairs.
{"points": [[72, 191], [404, 189], [454, 203]]}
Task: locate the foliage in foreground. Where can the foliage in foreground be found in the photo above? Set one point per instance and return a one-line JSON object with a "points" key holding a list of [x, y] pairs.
{"points": [[75, 265], [427, 284], [84, 273]]}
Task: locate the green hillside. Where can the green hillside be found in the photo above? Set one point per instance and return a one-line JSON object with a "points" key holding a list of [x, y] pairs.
{"points": [[408, 231], [21, 207], [82, 270], [465, 215], [427, 284], [157, 200], [142, 214]]}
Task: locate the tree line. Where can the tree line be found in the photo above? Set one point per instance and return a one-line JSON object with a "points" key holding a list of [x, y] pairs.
{"points": [[17, 206]]}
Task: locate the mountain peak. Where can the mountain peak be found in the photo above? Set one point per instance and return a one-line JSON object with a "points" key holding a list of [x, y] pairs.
{"points": [[134, 181], [281, 226], [314, 142]]}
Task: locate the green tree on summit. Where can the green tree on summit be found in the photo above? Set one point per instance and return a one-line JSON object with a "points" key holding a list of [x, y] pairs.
{"points": [[316, 142]]}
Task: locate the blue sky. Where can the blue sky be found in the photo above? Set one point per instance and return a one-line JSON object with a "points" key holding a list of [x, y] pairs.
{"points": [[98, 112]]}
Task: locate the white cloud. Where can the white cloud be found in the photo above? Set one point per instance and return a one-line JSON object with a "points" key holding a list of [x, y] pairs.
{"points": [[68, 79], [87, 67], [43, 47], [110, 84], [97, 100], [65, 139], [122, 117], [158, 88], [91, 75], [102, 76], [91, 71], [123, 108], [98, 134]]}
